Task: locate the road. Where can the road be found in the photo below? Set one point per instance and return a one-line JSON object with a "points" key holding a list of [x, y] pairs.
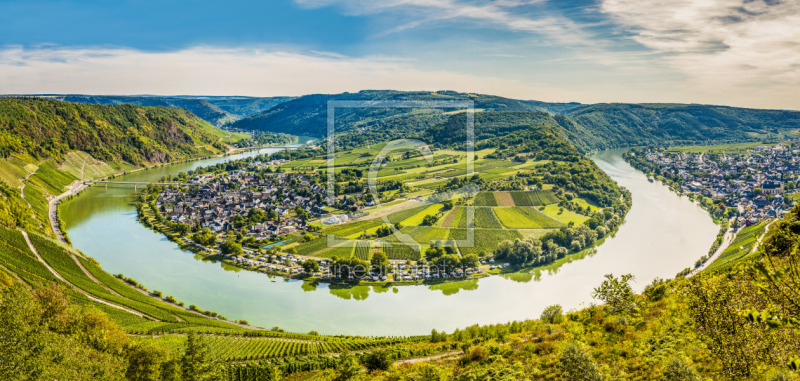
{"points": [[52, 207], [726, 241]]}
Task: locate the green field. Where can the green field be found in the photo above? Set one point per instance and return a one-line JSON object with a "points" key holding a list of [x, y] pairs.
{"points": [[563, 215], [416, 219]]}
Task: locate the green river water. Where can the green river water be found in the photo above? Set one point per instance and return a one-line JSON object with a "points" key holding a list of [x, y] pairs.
{"points": [[662, 234]]}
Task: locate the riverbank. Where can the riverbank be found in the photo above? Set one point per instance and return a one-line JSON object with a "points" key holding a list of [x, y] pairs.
{"points": [[643, 245]]}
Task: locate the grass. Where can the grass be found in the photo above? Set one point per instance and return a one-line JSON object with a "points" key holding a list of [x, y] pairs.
{"points": [[521, 217], [565, 216], [416, 219]]}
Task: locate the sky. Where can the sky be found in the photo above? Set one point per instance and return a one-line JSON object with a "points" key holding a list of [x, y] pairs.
{"points": [[730, 52]]}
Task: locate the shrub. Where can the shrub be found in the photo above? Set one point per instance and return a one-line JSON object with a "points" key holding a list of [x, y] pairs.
{"points": [[577, 365], [656, 290], [552, 315], [377, 360], [679, 369]]}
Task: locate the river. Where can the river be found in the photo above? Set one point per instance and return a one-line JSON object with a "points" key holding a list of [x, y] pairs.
{"points": [[663, 233]]}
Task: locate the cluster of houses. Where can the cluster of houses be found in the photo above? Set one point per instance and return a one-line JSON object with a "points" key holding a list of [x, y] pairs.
{"points": [[214, 202], [755, 182], [291, 265]]}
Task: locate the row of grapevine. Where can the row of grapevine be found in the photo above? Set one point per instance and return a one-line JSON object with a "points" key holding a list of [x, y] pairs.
{"points": [[533, 198], [16, 256], [401, 252], [363, 250]]}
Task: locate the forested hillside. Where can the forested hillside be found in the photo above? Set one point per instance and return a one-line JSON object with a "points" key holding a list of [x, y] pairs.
{"points": [[45, 145], [617, 125], [217, 110], [307, 115], [587, 127], [134, 134]]}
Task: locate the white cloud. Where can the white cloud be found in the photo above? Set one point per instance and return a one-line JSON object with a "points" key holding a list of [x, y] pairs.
{"points": [[224, 71], [502, 14], [749, 46]]}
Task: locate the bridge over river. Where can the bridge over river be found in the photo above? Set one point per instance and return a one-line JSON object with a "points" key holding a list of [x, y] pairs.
{"points": [[134, 183]]}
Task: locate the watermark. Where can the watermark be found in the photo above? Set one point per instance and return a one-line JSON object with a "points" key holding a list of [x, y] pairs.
{"points": [[408, 145]]}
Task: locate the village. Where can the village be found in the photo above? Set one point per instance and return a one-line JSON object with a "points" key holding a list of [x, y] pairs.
{"points": [[756, 183], [266, 207]]}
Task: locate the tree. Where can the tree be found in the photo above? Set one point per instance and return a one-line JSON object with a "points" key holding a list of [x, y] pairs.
{"points": [[195, 363], [255, 215], [379, 262], [552, 314], [470, 260], [447, 263], [231, 247], [616, 293], [144, 361], [310, 266], [376, 360], [429, 220], [577, 365], [301, 213]]}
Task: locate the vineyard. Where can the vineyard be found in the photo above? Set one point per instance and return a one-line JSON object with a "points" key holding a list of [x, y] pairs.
{"points": [[485, 199], [533, 198], [400, 252], [363, 250], [245, 348], [485, 218]]}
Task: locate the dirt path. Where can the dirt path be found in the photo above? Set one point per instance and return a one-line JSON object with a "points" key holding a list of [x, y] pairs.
{"points": [[86, 294], [392, 209], [425, 359], [758, 241]]}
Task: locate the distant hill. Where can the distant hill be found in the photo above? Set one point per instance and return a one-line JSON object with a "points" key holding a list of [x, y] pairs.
{"points": [[307, 115], [588, 127], [614, 125], [217, 110]]}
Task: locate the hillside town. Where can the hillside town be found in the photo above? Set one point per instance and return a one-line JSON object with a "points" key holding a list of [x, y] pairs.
{"points": [[266, 206], [756, 182]]}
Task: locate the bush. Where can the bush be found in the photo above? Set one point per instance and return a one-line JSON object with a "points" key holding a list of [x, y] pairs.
{"points": [[577, 365], [656, 290], [377, 360], [679, 369], [552, 315]]}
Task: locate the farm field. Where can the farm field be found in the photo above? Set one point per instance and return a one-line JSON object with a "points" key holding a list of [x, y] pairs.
{"points": [[521, 217], [565, 216]]}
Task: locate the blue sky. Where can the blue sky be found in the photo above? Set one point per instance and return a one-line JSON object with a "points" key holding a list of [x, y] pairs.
{"points": [[736, 52]]}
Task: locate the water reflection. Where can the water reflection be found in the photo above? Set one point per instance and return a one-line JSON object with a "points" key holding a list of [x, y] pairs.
{"points": [[663, 234]]}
